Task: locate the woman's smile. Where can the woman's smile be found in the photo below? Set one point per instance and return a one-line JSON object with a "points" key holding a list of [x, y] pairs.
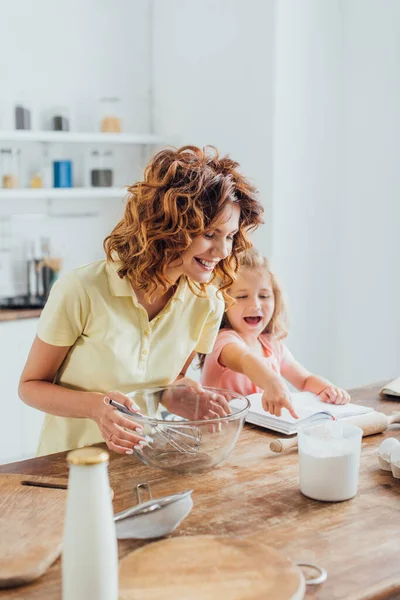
{"points": [[208, 265]]}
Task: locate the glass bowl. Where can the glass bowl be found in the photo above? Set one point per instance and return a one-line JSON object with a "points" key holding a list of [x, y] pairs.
{"points": [[187, 432]]}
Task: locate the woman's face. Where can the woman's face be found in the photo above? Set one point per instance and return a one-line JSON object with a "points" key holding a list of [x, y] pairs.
{"points": [[207, 250]]}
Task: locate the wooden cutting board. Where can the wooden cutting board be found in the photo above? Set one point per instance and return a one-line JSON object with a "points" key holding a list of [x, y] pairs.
{"points": [[31, 528], [204, 567]]}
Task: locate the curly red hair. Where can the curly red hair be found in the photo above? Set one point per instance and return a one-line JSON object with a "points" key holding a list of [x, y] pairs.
{"points": [[183, 192]]}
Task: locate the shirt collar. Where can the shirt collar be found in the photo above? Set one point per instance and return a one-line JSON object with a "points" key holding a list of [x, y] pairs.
{"points": [[121, 286]]}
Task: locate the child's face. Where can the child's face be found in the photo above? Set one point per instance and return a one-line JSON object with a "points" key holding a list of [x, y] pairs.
{"points": [[206, 251], [254, 302]]}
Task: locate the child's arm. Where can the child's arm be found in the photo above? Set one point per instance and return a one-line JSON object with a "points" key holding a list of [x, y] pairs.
{"points": [[305, 381], [238, 358]]}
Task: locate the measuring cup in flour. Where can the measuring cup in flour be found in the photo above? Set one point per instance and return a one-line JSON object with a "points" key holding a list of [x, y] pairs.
{"points": [[329, 460]]}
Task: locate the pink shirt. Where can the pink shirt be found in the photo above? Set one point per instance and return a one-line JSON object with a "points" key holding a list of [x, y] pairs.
{"points": [[214, 374]]}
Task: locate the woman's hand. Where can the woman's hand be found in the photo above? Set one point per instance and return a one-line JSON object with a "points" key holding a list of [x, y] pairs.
{"points": [[193, 402], [275, 397], [120, 433], [334, 395]]}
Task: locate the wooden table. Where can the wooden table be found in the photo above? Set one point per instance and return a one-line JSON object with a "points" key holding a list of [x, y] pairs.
{"points": [[256, 494]]}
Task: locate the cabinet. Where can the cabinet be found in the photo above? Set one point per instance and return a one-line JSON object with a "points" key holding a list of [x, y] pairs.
{"points": [[20, 424]]}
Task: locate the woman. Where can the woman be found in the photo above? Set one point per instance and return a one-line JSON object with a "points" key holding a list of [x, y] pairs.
{"points": [[136, 319]]}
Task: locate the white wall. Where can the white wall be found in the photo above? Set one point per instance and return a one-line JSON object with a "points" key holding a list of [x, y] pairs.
{"points": [[306, 175], [213, 82], [368, 302], [305, 93], [336, 186]]}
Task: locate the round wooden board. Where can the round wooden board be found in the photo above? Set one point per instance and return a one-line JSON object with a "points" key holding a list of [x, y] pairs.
{"points": [[209, 567]]}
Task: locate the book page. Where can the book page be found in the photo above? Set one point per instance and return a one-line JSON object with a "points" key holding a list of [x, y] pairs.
{"points": [[306, 404]]}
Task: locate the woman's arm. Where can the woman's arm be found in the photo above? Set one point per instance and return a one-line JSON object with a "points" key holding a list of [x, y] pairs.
{"points": [[303, 380], [36, 388], [276, 396]]}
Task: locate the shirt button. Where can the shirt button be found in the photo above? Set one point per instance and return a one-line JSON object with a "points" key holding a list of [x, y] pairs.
{"points": [[147, 333], [144, 352]]}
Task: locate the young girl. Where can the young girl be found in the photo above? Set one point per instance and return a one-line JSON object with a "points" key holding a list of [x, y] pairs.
{"points": [[136, 319], [249, 355]]}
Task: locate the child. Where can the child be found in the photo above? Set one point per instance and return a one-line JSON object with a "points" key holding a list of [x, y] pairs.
{"points": [[112, 324], [249, 356]]}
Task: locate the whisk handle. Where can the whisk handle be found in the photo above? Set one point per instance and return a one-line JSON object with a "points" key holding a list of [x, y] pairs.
{"points": [[121, 408]]}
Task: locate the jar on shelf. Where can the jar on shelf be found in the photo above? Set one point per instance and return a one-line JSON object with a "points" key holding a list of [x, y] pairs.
{"points": [[101, 168], [9, 159], [22, 117], [110, 119], [60, 119], [36, 180], [56, 118]]}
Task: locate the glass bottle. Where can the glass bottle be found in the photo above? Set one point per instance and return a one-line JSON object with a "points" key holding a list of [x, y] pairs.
{"points": [[47, 168], [90, 552]]}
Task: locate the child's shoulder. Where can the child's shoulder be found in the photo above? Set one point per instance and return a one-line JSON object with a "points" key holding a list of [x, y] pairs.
{"points": [[273, 345], [228, 335], [270, 341]]}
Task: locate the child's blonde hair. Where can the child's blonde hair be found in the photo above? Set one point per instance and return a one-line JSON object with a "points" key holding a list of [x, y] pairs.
{"points": [[277, 326]]}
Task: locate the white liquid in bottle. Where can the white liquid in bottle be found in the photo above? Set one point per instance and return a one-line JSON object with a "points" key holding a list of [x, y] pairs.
{"points": [[90, 552]]}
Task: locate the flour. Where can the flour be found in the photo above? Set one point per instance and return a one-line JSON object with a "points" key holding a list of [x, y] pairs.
{"points": [[329, 461]]}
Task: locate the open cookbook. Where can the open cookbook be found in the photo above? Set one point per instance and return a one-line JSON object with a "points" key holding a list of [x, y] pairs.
{"points": [[309, 408]]}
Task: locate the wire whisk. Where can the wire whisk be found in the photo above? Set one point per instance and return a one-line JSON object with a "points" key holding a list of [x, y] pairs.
{"points": [[182, 438]]}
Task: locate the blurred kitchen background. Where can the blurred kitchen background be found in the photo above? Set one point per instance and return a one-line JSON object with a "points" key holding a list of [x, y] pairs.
{"points": [[305, 94]]}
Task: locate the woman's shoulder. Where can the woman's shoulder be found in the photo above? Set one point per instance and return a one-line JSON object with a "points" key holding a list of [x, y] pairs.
{"points": [[90, 271], [83, 278], [89, 274], [216, 297], [211, 296]]}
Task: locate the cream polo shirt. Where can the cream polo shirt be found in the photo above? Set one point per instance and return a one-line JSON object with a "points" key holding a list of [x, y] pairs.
{"points": [[113, 344]]}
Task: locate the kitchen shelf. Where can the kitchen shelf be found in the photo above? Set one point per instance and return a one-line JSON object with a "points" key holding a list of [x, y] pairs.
{"points": [[71, 137], [59, 193]]}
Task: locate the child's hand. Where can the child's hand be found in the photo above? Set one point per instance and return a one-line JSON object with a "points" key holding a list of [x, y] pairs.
{"points": [[275, 397], [187, 397], [334, 395]]}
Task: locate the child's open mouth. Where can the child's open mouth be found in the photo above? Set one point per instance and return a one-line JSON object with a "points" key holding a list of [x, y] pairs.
{"points": [[253, 320]]}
